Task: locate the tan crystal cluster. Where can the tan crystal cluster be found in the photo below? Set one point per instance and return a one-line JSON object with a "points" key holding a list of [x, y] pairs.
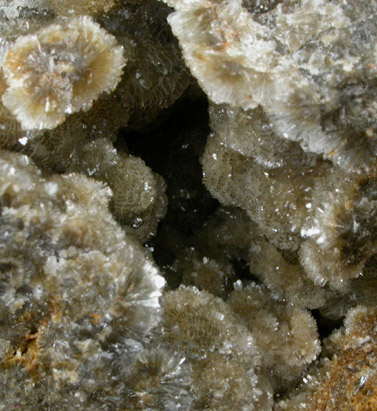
{"points": [[224, 356], [293, 144], [71, 301], [346, 377], [188, 205], [60, 70], [139, 200], [73, 79], [282, 146]]}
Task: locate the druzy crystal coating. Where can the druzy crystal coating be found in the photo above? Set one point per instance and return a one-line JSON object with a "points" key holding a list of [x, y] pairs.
{"points": [[188, 204]]}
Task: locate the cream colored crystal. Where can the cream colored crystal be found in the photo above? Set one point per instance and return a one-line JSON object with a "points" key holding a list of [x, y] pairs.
{"points": [[60, 70], [286, 334]]}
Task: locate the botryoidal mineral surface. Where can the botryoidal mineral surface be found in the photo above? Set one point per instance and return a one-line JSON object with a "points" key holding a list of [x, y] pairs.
{"points": [[188, 205]]}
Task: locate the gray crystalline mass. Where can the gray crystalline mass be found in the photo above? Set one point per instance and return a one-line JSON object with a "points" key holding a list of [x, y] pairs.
{"points": [[261, 215], [309, 64], [71, 301]]}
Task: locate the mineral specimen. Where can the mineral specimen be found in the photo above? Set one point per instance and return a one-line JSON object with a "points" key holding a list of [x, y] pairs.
{"points": [[158, 379], [70, 299], [346, 377], [60, 70], [188, 204], [81, 7], [224, 355], [307, 63], [139, 200], [285, 334]]}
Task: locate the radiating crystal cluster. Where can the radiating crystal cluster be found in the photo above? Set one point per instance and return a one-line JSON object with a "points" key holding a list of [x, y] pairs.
{"points": [[139, 199], [72, 301], [60, 70], [188, 204]]}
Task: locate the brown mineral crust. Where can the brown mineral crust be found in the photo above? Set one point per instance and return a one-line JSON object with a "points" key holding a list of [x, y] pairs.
{"points": [[27, 350], [346, 377], [78, 7], [351, 381], [338, 391]]}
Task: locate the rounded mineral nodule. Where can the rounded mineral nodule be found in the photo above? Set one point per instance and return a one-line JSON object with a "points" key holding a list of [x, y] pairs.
{"points": [[60, 70]]}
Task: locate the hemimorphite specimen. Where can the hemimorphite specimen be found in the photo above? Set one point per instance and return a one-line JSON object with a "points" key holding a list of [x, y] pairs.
{"points": [[286, 334], [60, 70], [309, 64], [139, 201], [70, 299], [84, 321], [346, 377], [226, 365]]}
